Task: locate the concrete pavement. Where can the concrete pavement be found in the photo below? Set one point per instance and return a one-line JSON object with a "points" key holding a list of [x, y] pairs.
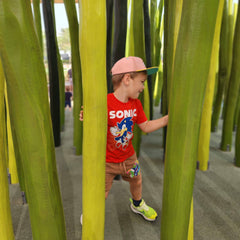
{"points": [[216, 194]]}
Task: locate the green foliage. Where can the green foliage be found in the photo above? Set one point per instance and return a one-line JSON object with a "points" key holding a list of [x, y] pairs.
{"points": [[63, 39]]}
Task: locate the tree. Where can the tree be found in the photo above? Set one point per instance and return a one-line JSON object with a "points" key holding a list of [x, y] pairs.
{"points": [[64, 40]]}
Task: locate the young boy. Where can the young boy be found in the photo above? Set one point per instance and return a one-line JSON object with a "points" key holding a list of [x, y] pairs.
{"points": [[124, 110], [68, 97]]}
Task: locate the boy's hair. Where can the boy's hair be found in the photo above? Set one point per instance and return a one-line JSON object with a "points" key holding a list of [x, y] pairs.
{"points": [[116, 79]]}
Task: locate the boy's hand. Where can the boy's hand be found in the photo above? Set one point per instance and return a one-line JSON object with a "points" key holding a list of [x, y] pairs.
{"points": [[166, 119], [153, 125], [81, 115]]}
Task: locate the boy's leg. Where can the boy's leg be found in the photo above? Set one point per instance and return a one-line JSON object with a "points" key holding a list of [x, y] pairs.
{"points": [[111, 171], [134, 177]]}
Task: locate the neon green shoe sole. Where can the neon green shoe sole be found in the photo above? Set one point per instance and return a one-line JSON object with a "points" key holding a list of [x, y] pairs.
{"points": [[143, 209]]}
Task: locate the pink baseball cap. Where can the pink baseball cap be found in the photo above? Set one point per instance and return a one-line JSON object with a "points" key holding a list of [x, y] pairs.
{"points": [[131, 64]]}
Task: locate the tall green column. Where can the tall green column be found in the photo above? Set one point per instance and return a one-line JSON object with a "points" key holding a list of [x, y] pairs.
{"points": [[138, 50], [237, 144], [172, 16], [190, 73], [12, 166], [223, 69], [76, 71], [153, 25], [233, 90], [93, 60], [6, 227], [30, 115], [37, 20], [205, 128], [54, 87]]}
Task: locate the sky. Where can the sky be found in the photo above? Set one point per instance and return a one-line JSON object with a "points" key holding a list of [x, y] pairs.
{"points": [[61, 16]]}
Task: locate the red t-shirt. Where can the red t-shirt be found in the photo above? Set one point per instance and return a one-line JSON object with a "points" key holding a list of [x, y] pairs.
{"points": [[121, 120]]}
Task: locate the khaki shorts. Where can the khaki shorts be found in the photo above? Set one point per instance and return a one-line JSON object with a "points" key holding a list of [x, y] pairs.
{"points": [[123, 169]]}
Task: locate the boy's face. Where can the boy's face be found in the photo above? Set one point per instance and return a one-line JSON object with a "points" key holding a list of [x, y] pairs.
{"points": [[136, 85]]}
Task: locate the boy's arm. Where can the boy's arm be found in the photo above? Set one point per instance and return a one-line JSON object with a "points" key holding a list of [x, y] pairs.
{"points": [[81, 115], [153, 125]]}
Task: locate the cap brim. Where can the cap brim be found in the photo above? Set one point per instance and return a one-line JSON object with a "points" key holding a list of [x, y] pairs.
{"points": [[150, 70]]}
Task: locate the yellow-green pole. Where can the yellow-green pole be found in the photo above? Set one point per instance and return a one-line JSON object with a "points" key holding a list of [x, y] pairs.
{"points": [[11, 152], [191, 224], [6, 228], [172, 19], [230, 35], [190, 73], [37, 21], [237, 144], [30, 115], [153, 13], [233, 90], [129, 38], [93, 62], [146, 101], [138, 51], [159, 75], [76, 72], [223, 69], [205, 129]]}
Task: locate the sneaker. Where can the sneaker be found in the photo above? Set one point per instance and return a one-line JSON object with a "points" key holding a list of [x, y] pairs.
{"points": [[143, 209], [81, 219]]}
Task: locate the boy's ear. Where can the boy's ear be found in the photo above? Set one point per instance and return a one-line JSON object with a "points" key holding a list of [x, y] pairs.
{"points": [[126, 79]]}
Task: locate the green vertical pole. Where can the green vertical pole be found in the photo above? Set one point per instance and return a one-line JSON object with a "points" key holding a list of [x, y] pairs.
{"points": [[159, 75], [172, 17], [93, 60], [120, 30], [53, 70], [191, 224], [109, 6], [233, 90], [30, 116], [37, 20], [129, 39], [223, 70], [139, 51], [60, 73], [11, 151], [148, 93], [205, 128], [237, 112], [153, 12], [6, 227], [237, 144], [76, 71], [230, 34], [190, 73]]}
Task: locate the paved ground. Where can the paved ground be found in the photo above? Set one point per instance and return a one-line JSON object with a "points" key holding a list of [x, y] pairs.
{"points": [[216, 195]]}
